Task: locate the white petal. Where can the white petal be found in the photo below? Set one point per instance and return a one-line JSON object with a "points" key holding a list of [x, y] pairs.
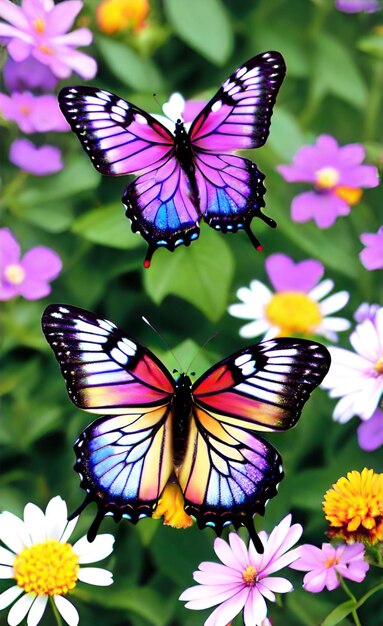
{"points": [[321, 290], [20, 609], [95, 576], [71, 525], [56, 515], [13, 532], [37, 610], [334, 303], [87, 552], [9, 596], [335, 323], [67, 610], [6, 571], [34, 519], [6, 557], [254, 328], [365, 341]]}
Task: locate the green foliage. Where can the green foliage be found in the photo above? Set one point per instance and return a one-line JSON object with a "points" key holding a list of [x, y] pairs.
{"points": [[334, 86]]}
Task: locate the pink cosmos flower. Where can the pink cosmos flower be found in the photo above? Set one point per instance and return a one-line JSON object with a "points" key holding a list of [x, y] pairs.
{"points": [[337, 175], [33, 114], [370, 432], [28, 277], [324, 564], [299, 305], [244, 578], [39, 28], [38, 161], [372, 255], [357, 6], [357, 377], [28, 74]]}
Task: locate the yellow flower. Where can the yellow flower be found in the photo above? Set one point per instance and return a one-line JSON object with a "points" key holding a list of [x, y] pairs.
{"points": [[354, 507], [171, 507], [115, 15]]}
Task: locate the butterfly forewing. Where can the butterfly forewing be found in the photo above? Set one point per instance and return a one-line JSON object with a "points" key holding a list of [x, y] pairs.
{"points": [[119, 137]]}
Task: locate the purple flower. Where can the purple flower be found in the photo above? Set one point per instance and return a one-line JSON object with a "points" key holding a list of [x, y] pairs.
{"points": [[39, 28], [370, 432], [30, 276], [324, 564], [356, 6], [38, 161], [243, 580], [28, 74], [298, 306], [32, 114], [372, 255], [366, 312], [337, 175]]}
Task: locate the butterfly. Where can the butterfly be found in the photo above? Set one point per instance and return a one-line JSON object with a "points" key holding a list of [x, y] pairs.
{"points": [[187, 173], [155, 429]]}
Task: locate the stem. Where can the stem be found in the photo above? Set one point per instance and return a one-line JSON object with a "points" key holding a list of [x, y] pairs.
{"points": [[56, 613], [352, 597], [374, 101]]}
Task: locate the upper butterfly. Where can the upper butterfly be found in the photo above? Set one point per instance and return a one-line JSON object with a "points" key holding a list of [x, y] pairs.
{"points": [[187, 174], [201, 435]]}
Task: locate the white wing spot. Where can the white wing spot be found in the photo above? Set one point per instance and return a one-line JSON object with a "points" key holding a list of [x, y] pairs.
{"points": [[123, 104], [119, 356], [216, 106], [241, 72], [63, 310], [128, 347], [140, 119], [56, 315]]}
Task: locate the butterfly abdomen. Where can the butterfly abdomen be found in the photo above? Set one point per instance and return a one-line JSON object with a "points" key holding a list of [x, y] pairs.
{"points": [[182, 405]]}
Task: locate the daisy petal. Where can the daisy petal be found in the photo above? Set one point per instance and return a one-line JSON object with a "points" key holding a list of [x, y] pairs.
{"points": [[56, 515], [6, 571], [228, 610], [9, 596], [20, 609], [95, 576], [6, 557], [67, 611], [13, 532], [34, 520], [88, 552], [71, 525], [37, 610]]}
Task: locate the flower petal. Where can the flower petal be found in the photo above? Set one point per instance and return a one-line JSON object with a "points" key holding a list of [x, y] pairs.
{"points": [[13, 532], [41, 263], [95, 576], [20, 609], [10, 595], [37, 610], [67, 611], [56, 515], [100, 548], [255, 608], [69, 529], [6, 557], [226, 554], [10, 249], [334, 303], [228, 610], [34, 519], [6, 571]]}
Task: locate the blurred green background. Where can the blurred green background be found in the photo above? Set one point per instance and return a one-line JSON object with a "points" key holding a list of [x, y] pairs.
{"points": [[333, 85]]}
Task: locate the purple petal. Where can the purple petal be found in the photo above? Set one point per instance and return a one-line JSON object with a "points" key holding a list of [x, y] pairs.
{"points": [[285, 275], [228, 610], [352, 154], [309, 558], [62, 17], [28, 74], [226, 555], [81, 63], [315, 581], [18, 49], [370, 432], [13, 14], [9, 247], [255, 608], [357, 6], [79, 37], [323, 207], [38, 161], [366, 311], [239, 549], [359, 176], [34, 289], [41, 263], [372, 255]]}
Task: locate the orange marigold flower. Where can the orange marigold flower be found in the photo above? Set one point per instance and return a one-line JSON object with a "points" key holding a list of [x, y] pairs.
{"points": [[354, 507], [171, 507], [115, 15]]}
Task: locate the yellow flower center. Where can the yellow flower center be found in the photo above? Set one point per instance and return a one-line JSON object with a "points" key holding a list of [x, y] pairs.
{"points": [[354, 507], [39, 25], [14, 274], [293, 312], [351, 195], [49, 568], [171, 507], [45, 49], [331, 561], [250, 575], [379, 365], [327, 177], [115, 15]]}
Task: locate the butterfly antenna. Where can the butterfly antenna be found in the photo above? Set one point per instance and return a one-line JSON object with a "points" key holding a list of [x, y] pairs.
{"points": [[213, 336], [166, 344], [157, 101]]}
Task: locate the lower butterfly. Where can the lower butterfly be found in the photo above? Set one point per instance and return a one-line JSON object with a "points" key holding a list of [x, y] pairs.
{"points": [[156, 429], [187, 172]]}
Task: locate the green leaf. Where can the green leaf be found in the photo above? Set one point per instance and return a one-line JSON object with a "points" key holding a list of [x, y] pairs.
{"points": [[204, 26], [336, 73], [372, 44], [107, 226], [339, 613], [52, 217], [129, 67], [201, 274]]}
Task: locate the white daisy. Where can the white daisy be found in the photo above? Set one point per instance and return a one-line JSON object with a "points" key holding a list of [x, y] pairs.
{"points": [[43, 565], [357, 377], [298, 306]]}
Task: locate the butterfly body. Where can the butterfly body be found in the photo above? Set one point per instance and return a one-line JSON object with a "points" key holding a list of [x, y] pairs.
{"points": [[185, 173], [155, 429]]}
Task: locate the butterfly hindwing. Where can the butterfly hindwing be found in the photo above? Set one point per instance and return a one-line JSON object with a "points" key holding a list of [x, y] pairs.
{"points": [[119, 137], [229, 472]]}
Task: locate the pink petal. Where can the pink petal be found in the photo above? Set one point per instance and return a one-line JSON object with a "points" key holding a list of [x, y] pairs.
{"points": [[352, 154], [79, 37], [13, 14], [370, 432], [309, 557], [205, 596], [315, 581], [34, 289], [19, 50], [285, 275], [226, 555], [81, 63], [41, 263], [62, 16], [9, 248], [228, 610], [302, 207], [277, 584], [239, 549], [255, 608]]}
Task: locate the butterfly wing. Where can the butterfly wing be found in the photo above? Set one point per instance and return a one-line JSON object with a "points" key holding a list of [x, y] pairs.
{"points": [[229, 472], [124, 459], [238, 117], [162, 207], [119, 137]]}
